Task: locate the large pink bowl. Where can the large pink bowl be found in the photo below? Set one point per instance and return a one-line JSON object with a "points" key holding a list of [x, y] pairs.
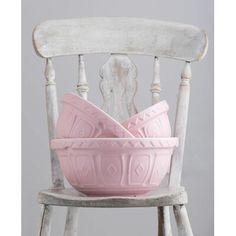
{"points": [[152, 122], [81, 119], [114, 166]]}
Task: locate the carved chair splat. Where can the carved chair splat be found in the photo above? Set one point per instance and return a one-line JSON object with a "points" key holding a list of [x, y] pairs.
{"points": [[118, 85]]}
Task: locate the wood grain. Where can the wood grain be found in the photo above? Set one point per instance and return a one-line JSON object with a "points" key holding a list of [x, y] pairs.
{"points": [[72, 221], [52, 115], [82, 85], [45, 221], [119, 35], [156, 82], [180, 128], [182, 220], [71, 197], [118, 86], [164, 225]]}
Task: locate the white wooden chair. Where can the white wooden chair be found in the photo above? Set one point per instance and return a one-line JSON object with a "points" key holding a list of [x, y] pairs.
{"points": [[119, 36]]}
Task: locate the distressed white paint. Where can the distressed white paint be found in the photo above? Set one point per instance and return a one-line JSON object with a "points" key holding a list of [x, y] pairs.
{"points": [[164, 226], [70, 197], [156, 82], [52, 114], [72, 221], [82, 85], [181, 126], [119, 35], [72, 217], [45, 221], [182, 220], [118, 86]]}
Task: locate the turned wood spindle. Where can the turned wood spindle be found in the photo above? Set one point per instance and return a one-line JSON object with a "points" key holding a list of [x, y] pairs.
{"points": [[82, 85], [156, 82], [181, 125], [52, 115]]}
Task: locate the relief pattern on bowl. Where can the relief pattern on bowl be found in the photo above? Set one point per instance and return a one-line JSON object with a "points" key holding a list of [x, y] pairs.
{"points": [[114, 166], [152, 122], [81, 119]]}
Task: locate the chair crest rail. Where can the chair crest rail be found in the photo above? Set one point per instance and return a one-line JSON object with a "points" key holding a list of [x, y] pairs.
{"points": [[119, 35]]}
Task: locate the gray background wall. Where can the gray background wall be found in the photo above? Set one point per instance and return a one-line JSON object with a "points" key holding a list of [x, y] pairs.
{"points": [[198, 165]]}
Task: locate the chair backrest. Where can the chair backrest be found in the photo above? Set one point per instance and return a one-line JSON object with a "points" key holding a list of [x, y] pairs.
{"points": [[119, 37]]}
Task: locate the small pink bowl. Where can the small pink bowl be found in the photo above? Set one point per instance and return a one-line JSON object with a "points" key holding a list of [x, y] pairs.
{"points": [[81, 119], [152, 122], [111, 166]]}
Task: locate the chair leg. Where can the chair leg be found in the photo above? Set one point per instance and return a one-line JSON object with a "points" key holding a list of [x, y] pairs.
{"points": [[164, 225], [71, 226], [45, 221], [182, 220]]}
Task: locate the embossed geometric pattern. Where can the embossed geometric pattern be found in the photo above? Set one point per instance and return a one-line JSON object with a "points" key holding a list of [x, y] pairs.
{"points": [[152, 122], [139, 169], [81, 119], [101, 143], [111, 170], [103, 166], [83, 168]]}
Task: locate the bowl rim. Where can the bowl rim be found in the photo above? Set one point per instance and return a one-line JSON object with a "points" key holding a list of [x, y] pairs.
{"points": [[164, 142], [161, 107], [87, 102]]}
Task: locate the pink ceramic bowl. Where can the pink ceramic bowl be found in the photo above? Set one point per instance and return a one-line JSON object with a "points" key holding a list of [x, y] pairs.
{"points": [[100, 166], [152, 122], [81, 119]]}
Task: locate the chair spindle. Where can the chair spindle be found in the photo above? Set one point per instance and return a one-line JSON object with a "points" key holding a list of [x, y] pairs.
{"points": [[156, 83], [181, 125], [82, 85], [52, 114], [164, 226]]}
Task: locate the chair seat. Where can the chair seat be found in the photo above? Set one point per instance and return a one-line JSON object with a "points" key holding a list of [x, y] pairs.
{"points": [[70, 197]]}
